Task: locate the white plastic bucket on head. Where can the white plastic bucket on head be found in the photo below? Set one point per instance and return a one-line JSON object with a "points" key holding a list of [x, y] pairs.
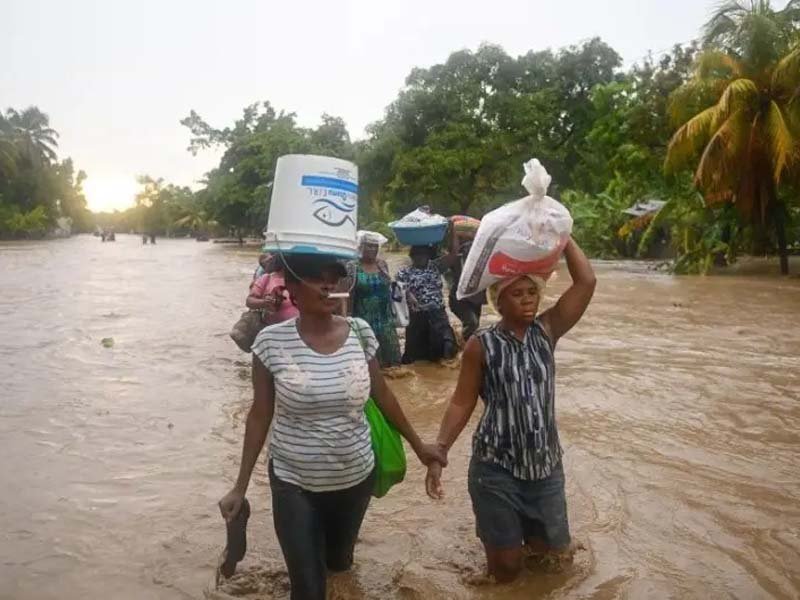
{"points": [[314, 206]]}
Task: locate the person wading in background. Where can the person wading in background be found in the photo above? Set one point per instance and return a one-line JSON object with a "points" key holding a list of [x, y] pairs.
{"points": [[370, 286], [429, 335]]}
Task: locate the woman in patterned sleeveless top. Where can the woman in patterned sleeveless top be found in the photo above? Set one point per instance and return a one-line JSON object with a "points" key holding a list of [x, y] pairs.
{"points": [[516, 480]]}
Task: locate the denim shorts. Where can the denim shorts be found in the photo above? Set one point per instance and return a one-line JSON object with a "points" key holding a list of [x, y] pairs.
{"points": [[509, 511]]}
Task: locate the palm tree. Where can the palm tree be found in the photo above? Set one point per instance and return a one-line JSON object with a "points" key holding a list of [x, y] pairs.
{"points": [[8, 151], [196, 220], [33, 134], [748, 140]]}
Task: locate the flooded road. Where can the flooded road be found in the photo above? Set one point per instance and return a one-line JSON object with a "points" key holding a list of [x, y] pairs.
{"points": [[678, 403]]}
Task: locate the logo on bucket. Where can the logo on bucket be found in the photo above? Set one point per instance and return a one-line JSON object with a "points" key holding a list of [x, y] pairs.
{"points": [[335, 199]]}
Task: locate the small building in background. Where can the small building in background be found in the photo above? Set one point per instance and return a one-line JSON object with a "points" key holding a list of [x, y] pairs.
{"points": [[642, 214], [645, 208]]}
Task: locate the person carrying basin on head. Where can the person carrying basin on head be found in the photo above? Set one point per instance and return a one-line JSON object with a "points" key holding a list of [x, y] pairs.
{"points": [[516, 477], [429, 335], [312, 376]]}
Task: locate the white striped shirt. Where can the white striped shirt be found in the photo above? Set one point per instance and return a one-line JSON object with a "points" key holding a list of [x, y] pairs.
{"points": [[320, 436]]}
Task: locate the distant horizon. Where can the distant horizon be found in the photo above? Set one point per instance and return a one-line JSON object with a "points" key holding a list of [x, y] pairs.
{"points": [[117, 101]]}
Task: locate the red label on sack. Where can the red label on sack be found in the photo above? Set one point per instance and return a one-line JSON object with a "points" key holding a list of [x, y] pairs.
{"points": [[504, 265]]}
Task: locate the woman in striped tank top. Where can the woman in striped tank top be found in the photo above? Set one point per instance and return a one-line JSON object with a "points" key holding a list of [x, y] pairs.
{"points": [[311, 378], [516, 480]]}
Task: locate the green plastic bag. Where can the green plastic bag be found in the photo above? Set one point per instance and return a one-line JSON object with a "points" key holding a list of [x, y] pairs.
{"points": [[390, 455], [387, 444]]}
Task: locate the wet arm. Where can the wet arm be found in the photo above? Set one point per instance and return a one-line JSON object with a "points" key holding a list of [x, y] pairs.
{"points": [[448, 261], [258, 421], [402, 277], [258, 299], [462, 404], [455, 241], [256, 303], [570, 307]]}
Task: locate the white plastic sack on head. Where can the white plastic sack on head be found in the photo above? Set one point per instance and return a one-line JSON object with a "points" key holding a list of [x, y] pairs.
{"points": [[523, 237], [370, 237]]}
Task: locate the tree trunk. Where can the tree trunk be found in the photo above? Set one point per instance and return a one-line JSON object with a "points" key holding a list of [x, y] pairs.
{"points": [[761, 241], [779, 215]]}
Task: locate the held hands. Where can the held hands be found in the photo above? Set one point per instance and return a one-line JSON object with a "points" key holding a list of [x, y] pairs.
{"points": [[437, 461], [429, 454], [433, 481]]}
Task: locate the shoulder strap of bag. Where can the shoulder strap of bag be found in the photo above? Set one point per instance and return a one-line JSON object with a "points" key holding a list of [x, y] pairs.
{"points": [[357, 331]]}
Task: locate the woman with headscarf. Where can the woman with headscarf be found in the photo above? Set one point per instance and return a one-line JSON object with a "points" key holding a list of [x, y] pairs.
{"points": [[516, 477], [370, 286]]}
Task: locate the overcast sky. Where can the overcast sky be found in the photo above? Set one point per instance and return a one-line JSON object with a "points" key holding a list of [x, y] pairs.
{"points": [[116, 77]]}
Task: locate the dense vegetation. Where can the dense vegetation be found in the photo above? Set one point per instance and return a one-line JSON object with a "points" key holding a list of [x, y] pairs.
{"points": [[741, 115], [726, 108], [161, 208], [712, 128], [35, 187]]}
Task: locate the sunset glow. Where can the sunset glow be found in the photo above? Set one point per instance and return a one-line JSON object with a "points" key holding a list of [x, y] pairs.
{"points": [[109, 193]]}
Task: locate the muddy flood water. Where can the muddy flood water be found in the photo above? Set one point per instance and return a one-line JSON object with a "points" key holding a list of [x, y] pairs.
{"points": [[678, 403]]}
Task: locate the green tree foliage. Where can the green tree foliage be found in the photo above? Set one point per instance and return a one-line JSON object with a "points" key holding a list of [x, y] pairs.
{"points": [[237, 192], [35, 188], [597, 219], [623, 152], [746, 140], [33, 134], [628, 138], [8, 150], [166, 209], [162, 209], [458, 132]]}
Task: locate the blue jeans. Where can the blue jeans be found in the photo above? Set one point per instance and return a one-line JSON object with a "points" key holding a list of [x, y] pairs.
{"points": [[510, 511], [317, 531]]}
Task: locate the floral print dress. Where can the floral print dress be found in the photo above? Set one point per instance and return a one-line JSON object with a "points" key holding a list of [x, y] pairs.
{"points": [[371, 300]]}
